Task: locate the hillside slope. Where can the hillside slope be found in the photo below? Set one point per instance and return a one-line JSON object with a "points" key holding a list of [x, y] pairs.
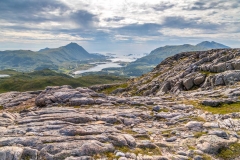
{"points": [[190, 70], [38, 80], [147, 63]]}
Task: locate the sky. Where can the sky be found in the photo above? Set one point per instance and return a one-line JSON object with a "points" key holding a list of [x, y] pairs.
{"points": [[117, 26]]}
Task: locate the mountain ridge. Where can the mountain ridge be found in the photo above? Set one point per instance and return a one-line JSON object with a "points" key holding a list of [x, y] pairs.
{"points": [[27, 60]]}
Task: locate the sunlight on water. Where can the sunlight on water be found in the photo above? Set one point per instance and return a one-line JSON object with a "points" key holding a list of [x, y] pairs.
{"points": [[99, 67]]}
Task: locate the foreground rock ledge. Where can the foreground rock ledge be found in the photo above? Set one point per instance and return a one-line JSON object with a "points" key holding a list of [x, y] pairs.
{"points": [[76, 124]]}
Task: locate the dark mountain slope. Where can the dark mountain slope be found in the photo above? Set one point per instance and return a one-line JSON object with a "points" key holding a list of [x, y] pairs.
{"points": [[211, 45], [26, 60]]}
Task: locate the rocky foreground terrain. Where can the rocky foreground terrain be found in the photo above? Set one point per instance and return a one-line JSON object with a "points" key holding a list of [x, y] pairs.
{"points": [[186, 108]]}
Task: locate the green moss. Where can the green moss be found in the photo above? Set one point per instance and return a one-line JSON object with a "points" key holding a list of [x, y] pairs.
{"points": [[123, 149], [1, 107], [207, 157], [18, 109], [200, 119], [142, 137], [110, 155], [129, 131], [198, 134], [27, 157], [111, 89], [168, 133], [191, 147], [164, 110], [207, 73], [230, 152], [147, 151], [222, 109]]}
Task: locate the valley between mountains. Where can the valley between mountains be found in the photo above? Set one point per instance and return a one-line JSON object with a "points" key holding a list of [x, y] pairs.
{"points": [[187, 107]]}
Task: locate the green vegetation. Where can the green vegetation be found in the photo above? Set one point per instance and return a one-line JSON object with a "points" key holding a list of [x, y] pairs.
{"points": [[199, 119], [230, 152], [207, 73], [38, 80], [111, 89], [222, 109], [26, 157], [198, 134], [225, 108], [129, 131], [163, 110], [191, 147], [146, 151], [206, 157], [168, 133]]}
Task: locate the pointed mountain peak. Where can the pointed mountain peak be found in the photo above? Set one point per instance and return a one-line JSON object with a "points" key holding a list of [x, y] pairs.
{"points": [[72, 44]]}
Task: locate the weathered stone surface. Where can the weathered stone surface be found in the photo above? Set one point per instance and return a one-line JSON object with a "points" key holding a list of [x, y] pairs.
{"points": [[219, 133], [167, 115], [212, 143], [188, 83], [146, 144], [194, 125], [171, 139], [156, 108], [11, 153], [67, 95], [165, 88], [199, 80], [236, 64], [12, 99], [212, 103]]}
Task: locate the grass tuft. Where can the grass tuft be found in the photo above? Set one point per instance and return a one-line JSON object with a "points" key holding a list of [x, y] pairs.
{"points": [[222, 109], [230, 152]]}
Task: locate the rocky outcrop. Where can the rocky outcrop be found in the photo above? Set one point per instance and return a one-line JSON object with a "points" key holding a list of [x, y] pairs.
{"points": [[188, 71], [69, 96], [11, 99]]}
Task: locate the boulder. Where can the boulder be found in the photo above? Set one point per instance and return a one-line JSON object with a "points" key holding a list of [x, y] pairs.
{"points": [[219, 133], [194, 125], [156, 108], [212, 143], [219, 80], [236, 65], [188, 83], [220, 67], [212, 103], [11, 152], [199, 80]]}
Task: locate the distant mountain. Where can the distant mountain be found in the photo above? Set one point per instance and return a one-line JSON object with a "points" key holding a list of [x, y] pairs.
{"points": [[70, 52], [26, 60], [211, 45], [45, 49], [147, 63]]}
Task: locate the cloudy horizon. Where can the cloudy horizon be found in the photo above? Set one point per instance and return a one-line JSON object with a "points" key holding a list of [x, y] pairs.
{"points": [[122, 27]]}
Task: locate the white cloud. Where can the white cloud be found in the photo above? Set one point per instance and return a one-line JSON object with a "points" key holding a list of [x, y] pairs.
{"points": [[60, 26], [200, 33], [34, 35]]}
